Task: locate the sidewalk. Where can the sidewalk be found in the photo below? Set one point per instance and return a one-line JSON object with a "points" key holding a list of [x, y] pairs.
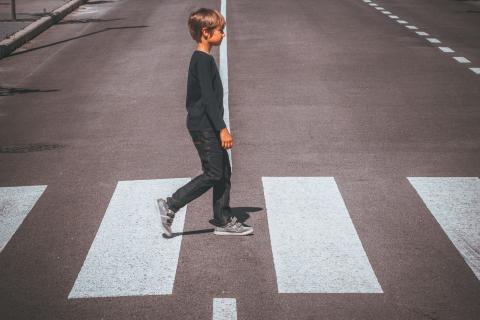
{"points": [[28, 11]]}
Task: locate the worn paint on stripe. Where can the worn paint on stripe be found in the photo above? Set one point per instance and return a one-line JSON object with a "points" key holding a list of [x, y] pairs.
{"points": [[224, 309], [15, 204], [402, 21], [393, 17], [129, 256], [455, 204], [422, 33], [475, 70], [380, 8], [315, 246], [412, 27], [386, 12], [224, 75], [446, 49], [461, 59]]}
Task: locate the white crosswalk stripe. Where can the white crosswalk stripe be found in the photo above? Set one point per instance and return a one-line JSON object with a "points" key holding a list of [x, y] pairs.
{"points": [[315, 246], [455, 203], [15, 204], [129, 256]]}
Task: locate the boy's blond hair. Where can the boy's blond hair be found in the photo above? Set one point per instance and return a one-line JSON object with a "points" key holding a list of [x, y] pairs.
{"points": [[204, 18]]}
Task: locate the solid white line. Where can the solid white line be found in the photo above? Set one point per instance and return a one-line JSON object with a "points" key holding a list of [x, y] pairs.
{"points": [[433, 40], [315, 246], [461, 59], [412, 27], [129, 256], [224, 75], [224, 309], [475, 70], [446, 49], [15, 204], [455, 204], [421, 33]]}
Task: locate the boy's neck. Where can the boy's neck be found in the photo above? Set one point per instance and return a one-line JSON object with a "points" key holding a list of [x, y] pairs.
{"points": [[204, 47]]}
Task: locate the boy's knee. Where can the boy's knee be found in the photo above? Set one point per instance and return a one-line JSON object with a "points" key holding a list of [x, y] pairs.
{"points": [[214, 177]]}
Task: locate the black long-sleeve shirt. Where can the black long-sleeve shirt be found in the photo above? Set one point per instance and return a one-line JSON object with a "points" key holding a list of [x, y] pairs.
{"points": [[204, 94]]}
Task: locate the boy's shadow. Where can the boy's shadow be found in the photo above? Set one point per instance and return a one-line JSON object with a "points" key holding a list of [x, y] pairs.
{"points": [[241, 213]]}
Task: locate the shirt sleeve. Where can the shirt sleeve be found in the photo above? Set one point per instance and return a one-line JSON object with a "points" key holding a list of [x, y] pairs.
{"points": [[212, 106]]}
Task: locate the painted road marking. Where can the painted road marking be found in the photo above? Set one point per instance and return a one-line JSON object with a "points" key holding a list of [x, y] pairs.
{"points": [[461, 59], [412, 27], [224, 309], [475, 70], [446, 49], [421, 33], [393, 17], [455, 204], [433, 40], [373, 4], [224, 75], [129, 256], [380, 8], [367, 1], [402, 21], [315, 246], [15, 204], [386, 12]]}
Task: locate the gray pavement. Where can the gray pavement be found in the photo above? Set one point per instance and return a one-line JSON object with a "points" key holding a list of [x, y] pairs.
{"points": [[317, 89]]}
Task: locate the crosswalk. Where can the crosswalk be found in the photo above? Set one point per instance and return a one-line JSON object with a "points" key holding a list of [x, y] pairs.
{"points": [[129, 256]]}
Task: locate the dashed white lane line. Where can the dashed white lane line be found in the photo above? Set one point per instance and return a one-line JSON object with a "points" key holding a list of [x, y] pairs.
{"points": [[224, 309], [455, 204], [475, 70], [15, 204], [324, 254], [446, 49], [129, 256], [433, 40], [422, 33], [461, 59]]}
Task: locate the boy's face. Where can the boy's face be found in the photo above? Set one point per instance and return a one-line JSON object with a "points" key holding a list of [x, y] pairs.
{"points": [[216, 37]]}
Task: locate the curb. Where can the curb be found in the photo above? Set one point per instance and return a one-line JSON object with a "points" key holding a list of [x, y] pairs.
{"points": [[9, 45]]}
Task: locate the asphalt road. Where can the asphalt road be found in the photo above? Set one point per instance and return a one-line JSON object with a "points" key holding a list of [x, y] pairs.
{"points": [[317, 89]]}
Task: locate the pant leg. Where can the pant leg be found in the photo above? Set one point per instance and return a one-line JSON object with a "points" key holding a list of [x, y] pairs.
{"points": [[221, 193], [210, 152]]}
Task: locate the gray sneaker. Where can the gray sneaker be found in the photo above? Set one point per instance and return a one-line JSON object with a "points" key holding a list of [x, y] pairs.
{"points": [[233, 228], [166, 215]]}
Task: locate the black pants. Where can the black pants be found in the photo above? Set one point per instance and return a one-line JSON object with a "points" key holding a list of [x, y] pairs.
{"points": [[216, 173]]}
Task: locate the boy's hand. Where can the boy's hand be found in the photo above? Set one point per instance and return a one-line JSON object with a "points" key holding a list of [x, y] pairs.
{"points": [[226, 139]]}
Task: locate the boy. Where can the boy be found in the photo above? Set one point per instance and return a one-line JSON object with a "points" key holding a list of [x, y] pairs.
{"points": [[207, 129]]}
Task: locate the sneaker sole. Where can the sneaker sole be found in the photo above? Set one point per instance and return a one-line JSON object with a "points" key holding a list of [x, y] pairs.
{"points": [[166, 229], [224, 233]]}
